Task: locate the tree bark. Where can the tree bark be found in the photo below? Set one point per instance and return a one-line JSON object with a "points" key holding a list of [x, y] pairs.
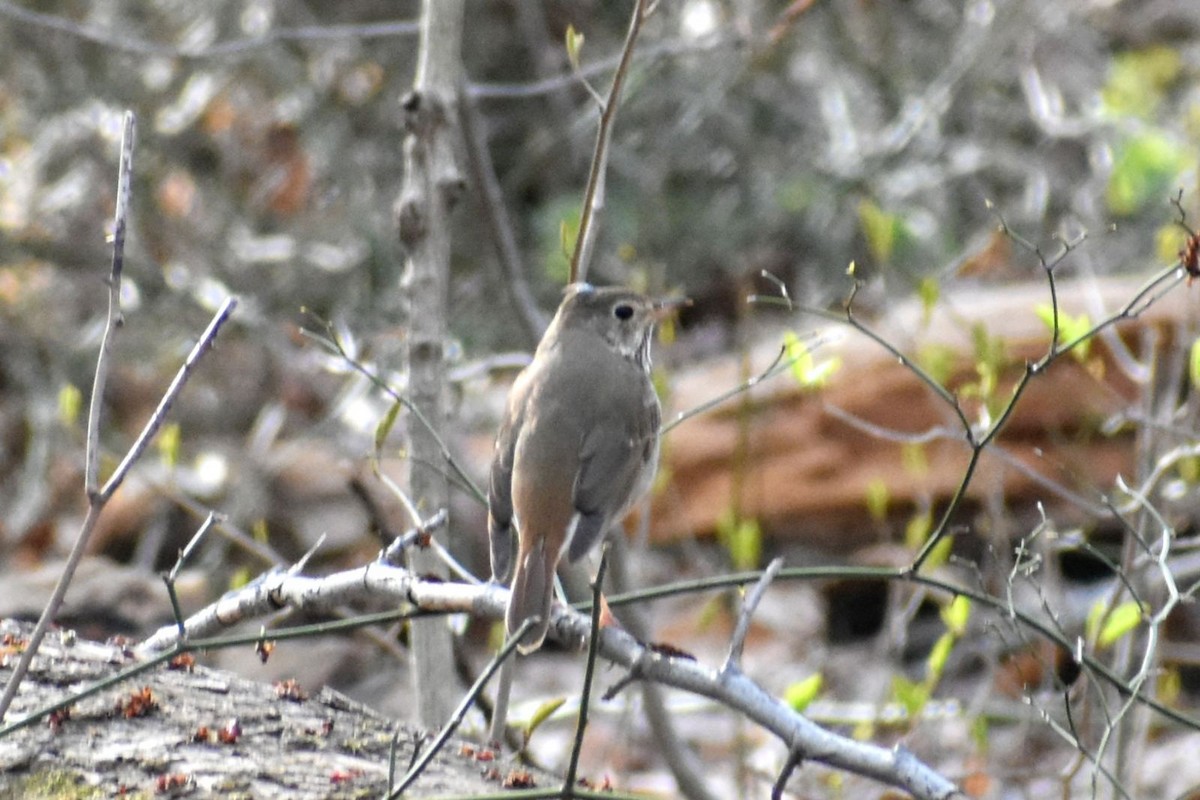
{"points": [[432, 185]]}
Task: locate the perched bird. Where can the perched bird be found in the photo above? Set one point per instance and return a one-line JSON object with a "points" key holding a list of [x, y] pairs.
{"points": [[578, 445]]}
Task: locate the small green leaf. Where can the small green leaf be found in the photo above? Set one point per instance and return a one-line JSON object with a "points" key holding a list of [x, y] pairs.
{"points": [[940, 553], [918, 528], [385, 427], [1169, 239], [938, 657], [938, 362], [1194, 364], [929, 290], [240, 577], [1123, 619], [169, 443], [542, 714], [1144, 167], [70, 401], [259, 531], [742, 539], [912, 455], [851, 269], [877, 499], [1137, 81], [979, 732], [801, 693], [955, 615], [880, 229], [809, 374], [909, 694], [574, 44]]}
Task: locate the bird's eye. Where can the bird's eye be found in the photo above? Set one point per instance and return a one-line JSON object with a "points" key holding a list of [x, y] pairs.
{"points": [[623, 311]]}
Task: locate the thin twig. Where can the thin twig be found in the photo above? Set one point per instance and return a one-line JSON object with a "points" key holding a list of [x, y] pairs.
{"points": [[589, 673], [737, 642], [593, 198], [457, 717], [170, 577], [91, 479]]}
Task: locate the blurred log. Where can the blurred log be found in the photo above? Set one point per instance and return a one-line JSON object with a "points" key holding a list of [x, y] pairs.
{"points": [[807, 470]]}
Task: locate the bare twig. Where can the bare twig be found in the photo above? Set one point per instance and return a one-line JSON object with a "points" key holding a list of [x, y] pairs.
{"points": [[91, 479], [456, 718], [98, 498], [589, 673], [593, 198], [737, 642]]}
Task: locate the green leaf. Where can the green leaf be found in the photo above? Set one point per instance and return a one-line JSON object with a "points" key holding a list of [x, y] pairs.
{"points": [[929, 290], [912, 455], [800, 694], [169, 443], [1120, 621], [1137, 81], [1144, 167], [1194, 364], [809, 374], [70, 402], [918, 528], [938, 361], [938, 657], [1069, 328], [574, 45], [909, 694], [385, 427], [880, 229], [742, 539], [955, 615], [877, 499], [542, 714], [940, 553]]}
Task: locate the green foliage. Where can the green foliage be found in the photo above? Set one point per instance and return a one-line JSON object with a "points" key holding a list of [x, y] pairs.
{"points": [[574, 42], [940, 553], [809, 374], [742, 539], [1145, 167], [936, 663], [882, 230], [1194, 364], [543, 713], [911, 695], [912, 455], [1138, 80], [877, 498], [955, 615], [169, 442], [918, 528], [1069, 329], [929, 290], [1106, 627], [70, 402], [938, 362], [800, 694], [385, 426]]}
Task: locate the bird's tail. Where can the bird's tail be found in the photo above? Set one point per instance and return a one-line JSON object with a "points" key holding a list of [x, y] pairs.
{"points": [[532, 592]]}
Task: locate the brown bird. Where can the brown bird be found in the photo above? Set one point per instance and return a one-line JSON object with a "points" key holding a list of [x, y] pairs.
{"points": [[578, 445]]}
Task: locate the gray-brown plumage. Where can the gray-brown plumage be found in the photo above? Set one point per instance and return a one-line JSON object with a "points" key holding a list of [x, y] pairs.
{"points": [[578, 445]]}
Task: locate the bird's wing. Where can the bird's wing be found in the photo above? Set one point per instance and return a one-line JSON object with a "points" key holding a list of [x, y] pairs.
{"points": [[501, 540], [612, 456]]}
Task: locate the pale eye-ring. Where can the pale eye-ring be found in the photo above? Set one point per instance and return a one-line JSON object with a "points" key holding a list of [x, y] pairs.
{"points": [[622, 311]]}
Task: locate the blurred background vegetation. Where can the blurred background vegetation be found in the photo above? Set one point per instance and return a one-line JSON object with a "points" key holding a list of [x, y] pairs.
{"points": [[793, 137]]}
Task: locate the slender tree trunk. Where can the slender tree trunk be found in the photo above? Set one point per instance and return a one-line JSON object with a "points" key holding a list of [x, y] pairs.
{"points": [[432, 184]]}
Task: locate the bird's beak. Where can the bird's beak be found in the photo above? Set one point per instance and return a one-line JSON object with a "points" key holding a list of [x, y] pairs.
{"points": [[666, 306]]}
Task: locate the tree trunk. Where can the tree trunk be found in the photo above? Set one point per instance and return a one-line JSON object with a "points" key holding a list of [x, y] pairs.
{"points": [[432, 184]]}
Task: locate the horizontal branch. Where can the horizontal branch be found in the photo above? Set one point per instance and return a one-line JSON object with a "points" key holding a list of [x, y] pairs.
{"points": [[380, 582]]}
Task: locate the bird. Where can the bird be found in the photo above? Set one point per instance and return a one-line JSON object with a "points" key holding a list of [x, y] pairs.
{"points": [[577, 447]]}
